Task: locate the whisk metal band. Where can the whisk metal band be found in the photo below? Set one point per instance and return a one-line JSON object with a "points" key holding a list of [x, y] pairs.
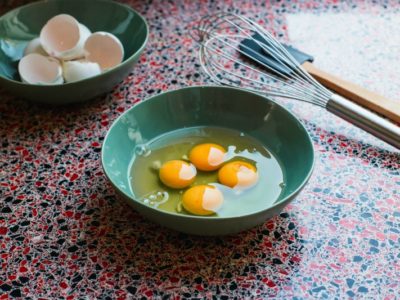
{"points": [[365, 119]]}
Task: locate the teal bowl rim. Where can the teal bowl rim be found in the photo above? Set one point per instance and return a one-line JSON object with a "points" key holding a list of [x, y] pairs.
{"points": [[121, 65], [152, 98]]}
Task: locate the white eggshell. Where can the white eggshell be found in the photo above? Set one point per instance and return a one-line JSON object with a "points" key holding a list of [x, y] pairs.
{"points": [[38, 69], [64, 37], [78, 70], [105, 49], [85, 33], [34, 46]]}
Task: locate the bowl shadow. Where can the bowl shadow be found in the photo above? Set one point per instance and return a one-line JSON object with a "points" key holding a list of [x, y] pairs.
{"points": [[145, 252], [33, 117], [376, 156]]}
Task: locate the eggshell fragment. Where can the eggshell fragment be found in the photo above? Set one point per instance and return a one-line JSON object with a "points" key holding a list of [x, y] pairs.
{"points": [[38, 69], [105, 49], [85, 33], [64, 37], [34, 46], [78, 70]]}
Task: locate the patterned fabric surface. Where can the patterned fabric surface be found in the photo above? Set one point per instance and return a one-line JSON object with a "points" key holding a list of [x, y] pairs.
{"points": [[64, 234]]}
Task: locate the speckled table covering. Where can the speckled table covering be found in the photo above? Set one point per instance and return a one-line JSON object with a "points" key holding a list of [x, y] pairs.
{"points": [[65, 235]]}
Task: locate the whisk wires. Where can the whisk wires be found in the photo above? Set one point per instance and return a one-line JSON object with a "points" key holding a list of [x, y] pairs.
{"points": [[223, 57]]}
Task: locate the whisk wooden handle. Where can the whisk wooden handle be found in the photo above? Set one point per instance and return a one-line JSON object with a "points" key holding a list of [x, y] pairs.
{"points": [[357, 94]]}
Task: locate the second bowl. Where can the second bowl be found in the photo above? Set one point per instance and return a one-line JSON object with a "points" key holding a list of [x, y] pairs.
{"points": [[23, 24]]}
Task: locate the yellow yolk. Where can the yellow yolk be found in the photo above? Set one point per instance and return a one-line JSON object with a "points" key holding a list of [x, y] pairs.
{"points": [[238, 174], [202, 200], [207, 157], [177, 174]]}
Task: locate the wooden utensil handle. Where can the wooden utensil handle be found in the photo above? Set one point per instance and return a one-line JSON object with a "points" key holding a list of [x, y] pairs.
{"points": [[351, 91]]}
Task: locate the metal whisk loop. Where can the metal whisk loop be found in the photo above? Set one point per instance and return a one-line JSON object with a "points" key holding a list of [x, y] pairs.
{"points": [[291, 89], [284, 57], [220, 36]]}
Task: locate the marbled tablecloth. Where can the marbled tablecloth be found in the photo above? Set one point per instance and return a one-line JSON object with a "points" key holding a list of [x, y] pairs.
{"points": [[65, 234]]}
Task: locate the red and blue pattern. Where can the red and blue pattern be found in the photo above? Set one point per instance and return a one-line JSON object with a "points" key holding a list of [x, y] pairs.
{"points": [[65, 235]]}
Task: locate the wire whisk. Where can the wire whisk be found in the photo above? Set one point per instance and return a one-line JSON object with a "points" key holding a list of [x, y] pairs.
{"points": [[224, 56]]}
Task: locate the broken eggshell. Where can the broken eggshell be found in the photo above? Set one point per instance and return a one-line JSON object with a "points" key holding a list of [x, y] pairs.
{"points": [[38, 69], [64, 37], [105, 49], [79, 70], [34, 46]]}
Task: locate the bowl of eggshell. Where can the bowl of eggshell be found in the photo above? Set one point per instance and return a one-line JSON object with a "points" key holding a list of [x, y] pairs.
{"points": [[60, 52]]}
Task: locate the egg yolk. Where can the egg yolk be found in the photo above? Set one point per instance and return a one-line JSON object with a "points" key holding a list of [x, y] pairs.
{"points": [[177, 174], [238, 174], [202, 200], [207, 157]]}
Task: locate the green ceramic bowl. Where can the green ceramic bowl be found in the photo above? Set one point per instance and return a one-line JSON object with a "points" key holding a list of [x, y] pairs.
{"points": [[271, 124], [21, 25]]}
